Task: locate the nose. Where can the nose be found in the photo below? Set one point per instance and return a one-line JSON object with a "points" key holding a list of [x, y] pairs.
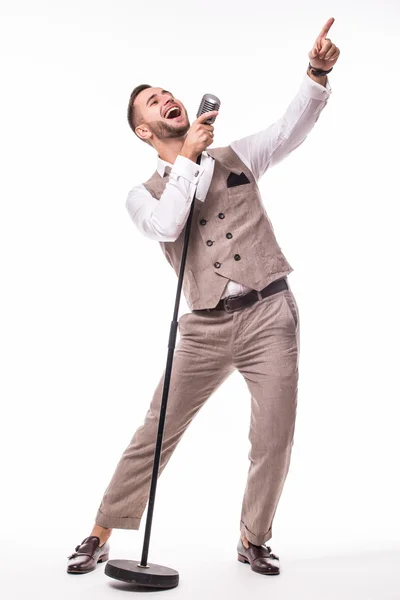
{"points": [[169, 101]]}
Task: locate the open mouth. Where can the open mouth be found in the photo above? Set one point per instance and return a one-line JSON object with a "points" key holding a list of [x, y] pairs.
{"points": [[173, 113]]}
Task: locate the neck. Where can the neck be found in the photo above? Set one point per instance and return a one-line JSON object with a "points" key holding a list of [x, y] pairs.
{"points": [[169, 151]]}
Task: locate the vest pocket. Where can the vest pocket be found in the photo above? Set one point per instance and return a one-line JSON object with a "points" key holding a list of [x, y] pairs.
{"points": [[241, 189]]}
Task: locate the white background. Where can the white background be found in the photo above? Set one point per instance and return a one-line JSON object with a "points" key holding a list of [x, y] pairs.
{"points": [[86, 301]]}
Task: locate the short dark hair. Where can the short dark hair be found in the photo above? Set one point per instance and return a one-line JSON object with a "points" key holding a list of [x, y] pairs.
{"points": [[131, 110]]}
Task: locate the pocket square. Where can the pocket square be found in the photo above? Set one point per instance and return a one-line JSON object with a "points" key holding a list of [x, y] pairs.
{"points": [[235, 179]]}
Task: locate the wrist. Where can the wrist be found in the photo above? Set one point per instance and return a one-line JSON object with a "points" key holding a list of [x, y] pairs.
{"points": [[318, 75], [318, 79], [187, 153]]}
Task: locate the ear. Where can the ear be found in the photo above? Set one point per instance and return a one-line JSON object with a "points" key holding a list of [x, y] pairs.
{"points": [[144, 133]]}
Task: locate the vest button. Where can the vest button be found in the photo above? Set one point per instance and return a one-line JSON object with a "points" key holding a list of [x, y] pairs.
{"points": [[203, 222], [221, 216], [229, 235], [217, 265], [237, 257], [209, 242]]}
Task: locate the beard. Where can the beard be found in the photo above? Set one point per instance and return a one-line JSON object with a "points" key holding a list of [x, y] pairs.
{"points": [[163, 130]]}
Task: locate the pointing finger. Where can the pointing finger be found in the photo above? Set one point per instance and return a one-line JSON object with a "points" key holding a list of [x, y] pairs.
{"points": [[326, 28]]}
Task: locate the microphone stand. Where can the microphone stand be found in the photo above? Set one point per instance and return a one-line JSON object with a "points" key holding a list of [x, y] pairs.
{"points": [[144, 573]]}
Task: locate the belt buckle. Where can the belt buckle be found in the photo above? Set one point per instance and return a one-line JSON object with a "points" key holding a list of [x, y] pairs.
{"points": [[225, 303]]}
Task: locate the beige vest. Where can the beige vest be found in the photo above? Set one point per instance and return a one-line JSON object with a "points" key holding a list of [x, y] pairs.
{"points": [[231, 236]]}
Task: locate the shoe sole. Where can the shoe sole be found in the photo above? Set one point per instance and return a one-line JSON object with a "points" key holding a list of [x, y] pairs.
{"points": [[103, 558], [243, 559]]}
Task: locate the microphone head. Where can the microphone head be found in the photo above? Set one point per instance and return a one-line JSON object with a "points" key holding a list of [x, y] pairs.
{"points": [[208, 102]]}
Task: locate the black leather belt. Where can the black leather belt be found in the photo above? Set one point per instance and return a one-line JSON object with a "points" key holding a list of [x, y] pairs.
{"points": [[232, 303]]}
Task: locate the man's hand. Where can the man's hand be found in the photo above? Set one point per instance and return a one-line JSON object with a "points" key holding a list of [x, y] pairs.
{"points": [[324, 54], [199, 136]]}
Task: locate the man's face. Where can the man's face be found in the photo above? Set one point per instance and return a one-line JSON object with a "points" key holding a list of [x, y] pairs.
{"points": [[163, 115]]}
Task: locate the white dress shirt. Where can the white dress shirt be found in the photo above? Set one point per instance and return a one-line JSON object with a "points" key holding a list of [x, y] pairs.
{"points": [[163, 220]]}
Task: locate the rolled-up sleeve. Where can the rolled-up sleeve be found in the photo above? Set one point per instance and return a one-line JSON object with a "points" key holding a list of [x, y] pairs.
{"points": [[164, 219], [269, 146]]}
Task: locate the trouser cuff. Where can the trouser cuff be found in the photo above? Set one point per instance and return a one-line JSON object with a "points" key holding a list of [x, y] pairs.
{"points": [[117, 522], [257, 540]]}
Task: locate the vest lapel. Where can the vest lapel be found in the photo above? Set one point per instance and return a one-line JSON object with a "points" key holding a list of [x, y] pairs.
{"points": [[225, 158]]}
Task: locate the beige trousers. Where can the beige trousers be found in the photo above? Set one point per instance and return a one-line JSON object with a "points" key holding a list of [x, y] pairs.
{"points": [[261, 341]]}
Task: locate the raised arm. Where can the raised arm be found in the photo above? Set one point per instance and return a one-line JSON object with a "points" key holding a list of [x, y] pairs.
{"points": [[269, 146]]}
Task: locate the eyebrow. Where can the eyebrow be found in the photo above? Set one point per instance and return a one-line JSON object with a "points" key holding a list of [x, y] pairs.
{"points": [[153, 96]]}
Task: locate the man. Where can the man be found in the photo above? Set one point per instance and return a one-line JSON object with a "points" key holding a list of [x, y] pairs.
{"points": [[243, 314]]}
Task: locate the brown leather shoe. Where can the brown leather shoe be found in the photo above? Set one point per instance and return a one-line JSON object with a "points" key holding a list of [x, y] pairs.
{"points": [[260, 558], [87, 555]]}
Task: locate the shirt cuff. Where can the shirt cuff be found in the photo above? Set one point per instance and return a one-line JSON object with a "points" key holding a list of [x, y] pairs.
{"points": [[315, 90], [186, 168]]}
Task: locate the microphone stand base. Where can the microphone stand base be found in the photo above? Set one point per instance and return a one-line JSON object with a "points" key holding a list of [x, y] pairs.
{"points": [[155, 576]]}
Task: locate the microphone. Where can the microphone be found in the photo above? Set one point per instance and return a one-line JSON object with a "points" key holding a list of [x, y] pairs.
{"points": [[208, 102]]}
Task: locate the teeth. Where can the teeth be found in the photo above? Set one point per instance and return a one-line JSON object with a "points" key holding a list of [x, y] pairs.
{"points": [[171, 109]]}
